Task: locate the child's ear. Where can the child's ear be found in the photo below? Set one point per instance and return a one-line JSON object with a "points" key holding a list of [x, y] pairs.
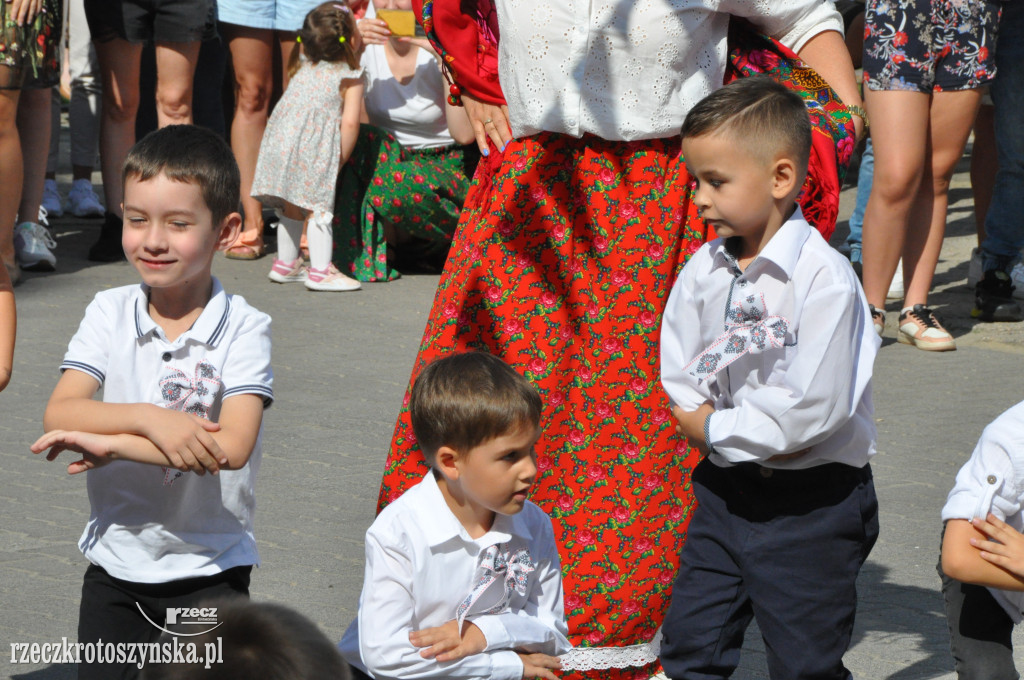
{"points": [[446, 460], [784, 178], [229, 230]]}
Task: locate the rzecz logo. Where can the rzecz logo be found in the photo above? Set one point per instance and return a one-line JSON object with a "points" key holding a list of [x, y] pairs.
{"points": [[186, 616]]}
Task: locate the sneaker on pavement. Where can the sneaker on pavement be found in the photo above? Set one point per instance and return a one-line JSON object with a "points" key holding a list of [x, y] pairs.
{"points": [[920, 328], [51, 198], [993, 298], [288, 272], [974, 273], [1017, 279], [108, 246], [83, 201], [32, 244], [330, 280], [895, 291]]}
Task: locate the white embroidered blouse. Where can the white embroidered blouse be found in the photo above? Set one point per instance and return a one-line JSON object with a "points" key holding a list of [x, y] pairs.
{"points": [[625, 69]]}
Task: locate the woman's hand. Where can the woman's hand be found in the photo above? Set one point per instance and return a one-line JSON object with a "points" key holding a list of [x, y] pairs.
{"points": [[489, 122], [23, 11], [374, 31]]}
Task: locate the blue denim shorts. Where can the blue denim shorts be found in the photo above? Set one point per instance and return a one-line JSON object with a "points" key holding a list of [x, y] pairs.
{"points": [[280, 15]]}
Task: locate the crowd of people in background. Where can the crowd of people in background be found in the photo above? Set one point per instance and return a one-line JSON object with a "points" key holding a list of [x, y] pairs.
{"points": [[546, 179]]}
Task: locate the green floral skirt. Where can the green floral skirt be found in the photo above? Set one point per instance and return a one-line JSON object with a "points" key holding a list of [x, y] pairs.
{"points": [[30, 54], [418, 191]]}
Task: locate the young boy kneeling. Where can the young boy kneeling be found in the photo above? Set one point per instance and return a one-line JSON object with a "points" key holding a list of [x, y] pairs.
{"points": [[462, 574], [982, 567], [767, 350]]}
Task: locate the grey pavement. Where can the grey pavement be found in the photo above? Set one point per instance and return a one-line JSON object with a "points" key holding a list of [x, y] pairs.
{"points": [[341, 362]]}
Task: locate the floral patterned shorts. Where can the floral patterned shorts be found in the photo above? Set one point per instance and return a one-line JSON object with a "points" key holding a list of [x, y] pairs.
{"points": [[29, 54], [929, 45]]}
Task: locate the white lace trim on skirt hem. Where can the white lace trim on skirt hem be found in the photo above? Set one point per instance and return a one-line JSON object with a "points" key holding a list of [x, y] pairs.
{"points": [[601, 658]]}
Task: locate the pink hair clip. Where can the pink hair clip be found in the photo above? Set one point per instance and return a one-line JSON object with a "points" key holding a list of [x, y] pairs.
{"points": [[343, 8]]}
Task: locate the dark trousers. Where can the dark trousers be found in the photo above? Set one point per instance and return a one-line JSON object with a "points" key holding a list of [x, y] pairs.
{"points": [[781, 546], [980, 632], [109, 610]]}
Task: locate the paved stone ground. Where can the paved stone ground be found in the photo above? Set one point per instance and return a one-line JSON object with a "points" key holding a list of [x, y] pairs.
{"points": [[341, 362]]}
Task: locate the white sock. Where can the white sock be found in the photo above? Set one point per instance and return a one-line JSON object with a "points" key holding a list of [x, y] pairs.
{"points": [[320, 237], [289, 232], [905, 310]]}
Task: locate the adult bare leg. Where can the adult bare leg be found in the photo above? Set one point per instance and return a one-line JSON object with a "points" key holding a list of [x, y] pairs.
{"points": [[951, 118], [11, 170], [175, 68], [899, 130], [34, 132], [119, 69], [252, 58]]}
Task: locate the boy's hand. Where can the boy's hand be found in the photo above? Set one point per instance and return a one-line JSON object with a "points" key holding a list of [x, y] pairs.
{"points": [[539, 665], [96, 449], [185, 440], [690, 424], [445, 644], [1006, 547]]}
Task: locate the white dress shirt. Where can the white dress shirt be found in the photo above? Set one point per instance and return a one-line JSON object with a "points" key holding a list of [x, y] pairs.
{"points": [[810, 385], [421, 565], [629, 70], [993, 481], [150, 524]]}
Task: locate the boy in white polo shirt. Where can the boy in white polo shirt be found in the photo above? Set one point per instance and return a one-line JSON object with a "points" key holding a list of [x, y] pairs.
{"points": [[766, 353], [173, 449]]}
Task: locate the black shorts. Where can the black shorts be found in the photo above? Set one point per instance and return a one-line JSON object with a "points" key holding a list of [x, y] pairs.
{"points": [[171, 21]]}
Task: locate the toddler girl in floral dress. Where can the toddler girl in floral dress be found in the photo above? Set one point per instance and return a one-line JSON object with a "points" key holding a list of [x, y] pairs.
{"points": [[309, 136]]}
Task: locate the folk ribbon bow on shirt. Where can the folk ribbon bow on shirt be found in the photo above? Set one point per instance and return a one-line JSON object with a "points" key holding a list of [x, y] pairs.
{"points": [[498, 564], [749, 329]]}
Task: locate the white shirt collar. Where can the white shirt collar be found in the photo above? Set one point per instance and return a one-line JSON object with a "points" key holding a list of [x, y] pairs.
{"points": [[446, 526], [209, 327], [782, 250]]}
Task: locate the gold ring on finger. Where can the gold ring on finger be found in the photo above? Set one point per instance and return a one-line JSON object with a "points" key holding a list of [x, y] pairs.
{"points": [[488, 121]]}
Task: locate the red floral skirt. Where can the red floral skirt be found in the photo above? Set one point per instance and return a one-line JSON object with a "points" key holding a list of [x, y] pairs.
{"points": [[562, 264]]}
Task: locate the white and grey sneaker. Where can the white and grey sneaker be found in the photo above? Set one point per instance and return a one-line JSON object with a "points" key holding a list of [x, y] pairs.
{"points": [[1017, 279], [83, 201], [32, 245], [51, 199]]}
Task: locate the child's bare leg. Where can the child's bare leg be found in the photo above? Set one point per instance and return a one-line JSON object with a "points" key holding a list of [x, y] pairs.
{"points": [[34, 131]]}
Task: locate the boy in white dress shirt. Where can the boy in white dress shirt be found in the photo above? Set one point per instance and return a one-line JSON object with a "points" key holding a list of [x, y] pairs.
{"points": [[982, 567], [766, 353], [185, 372], [462, 573]]}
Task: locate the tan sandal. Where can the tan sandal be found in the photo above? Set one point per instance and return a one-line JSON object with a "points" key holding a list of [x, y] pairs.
{"points": [[248, 246]]}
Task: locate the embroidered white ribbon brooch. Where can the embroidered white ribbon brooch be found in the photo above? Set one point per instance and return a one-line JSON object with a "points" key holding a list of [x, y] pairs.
{"points": [[498, 562], [749, 329]]}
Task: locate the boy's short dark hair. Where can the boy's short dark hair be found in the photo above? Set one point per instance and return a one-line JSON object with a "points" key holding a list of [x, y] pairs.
{"points": [[188, 153], [258, 640], [769, 116], [464, 400]]}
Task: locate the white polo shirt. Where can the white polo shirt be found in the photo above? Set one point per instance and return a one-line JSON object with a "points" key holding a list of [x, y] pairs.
{"points": [[151, 524], [993, 481]]}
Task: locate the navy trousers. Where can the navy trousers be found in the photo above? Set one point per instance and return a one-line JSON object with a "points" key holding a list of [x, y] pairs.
{"points": [[783, 547]]}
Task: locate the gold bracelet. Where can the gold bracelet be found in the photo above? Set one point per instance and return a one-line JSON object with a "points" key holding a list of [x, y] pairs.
{"points": [[860, 112]]}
